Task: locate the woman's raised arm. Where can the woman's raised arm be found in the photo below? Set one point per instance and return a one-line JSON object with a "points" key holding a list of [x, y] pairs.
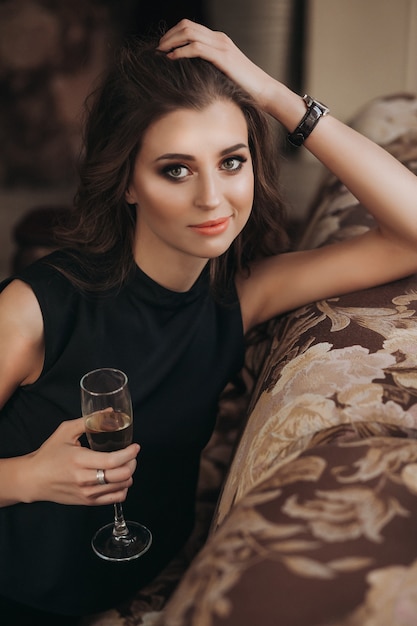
{"points": [[374, 177]]}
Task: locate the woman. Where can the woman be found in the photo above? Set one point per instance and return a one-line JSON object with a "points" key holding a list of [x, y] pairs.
{"points": [[176, 254]]}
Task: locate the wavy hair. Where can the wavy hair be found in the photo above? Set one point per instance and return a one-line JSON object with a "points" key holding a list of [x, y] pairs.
{"points": [[141, 86]]}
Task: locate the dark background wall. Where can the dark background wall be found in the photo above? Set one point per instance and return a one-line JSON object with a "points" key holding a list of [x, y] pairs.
{"points": [[51, 51]]}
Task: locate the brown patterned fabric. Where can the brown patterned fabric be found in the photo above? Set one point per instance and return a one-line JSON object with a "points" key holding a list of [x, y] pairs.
{"points": [[317, 521], [331, 530]]}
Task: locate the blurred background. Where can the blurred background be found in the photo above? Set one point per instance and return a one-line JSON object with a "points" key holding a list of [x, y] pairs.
{"points": [[343, 52]]}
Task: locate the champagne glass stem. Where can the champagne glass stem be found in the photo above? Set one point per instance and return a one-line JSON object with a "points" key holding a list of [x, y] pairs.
{"points": [[120, 529]]}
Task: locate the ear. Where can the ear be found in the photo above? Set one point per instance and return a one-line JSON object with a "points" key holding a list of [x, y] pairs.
{"points": [[129, 197]]}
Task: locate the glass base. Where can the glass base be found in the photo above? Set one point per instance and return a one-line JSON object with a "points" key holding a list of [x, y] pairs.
{"points": [[125, 548]]}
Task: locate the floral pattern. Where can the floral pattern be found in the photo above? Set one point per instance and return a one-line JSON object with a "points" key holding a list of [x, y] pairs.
{"points": [[324, 517], [321, 385]]}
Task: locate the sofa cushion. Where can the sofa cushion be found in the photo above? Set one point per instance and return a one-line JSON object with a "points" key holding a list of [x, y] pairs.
{"points": [[328, 539]]}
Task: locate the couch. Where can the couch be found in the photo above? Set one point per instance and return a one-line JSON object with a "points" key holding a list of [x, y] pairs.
{"points": [[316, 521]]}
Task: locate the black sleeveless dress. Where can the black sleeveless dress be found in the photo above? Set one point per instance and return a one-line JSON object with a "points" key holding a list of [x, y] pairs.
{"points": [[179, 350]]}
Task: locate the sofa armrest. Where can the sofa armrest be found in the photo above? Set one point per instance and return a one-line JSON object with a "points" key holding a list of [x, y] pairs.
{"points": [[327, 539]]}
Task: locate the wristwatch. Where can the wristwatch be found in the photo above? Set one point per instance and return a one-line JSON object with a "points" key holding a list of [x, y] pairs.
{"points": [[315, 110]]}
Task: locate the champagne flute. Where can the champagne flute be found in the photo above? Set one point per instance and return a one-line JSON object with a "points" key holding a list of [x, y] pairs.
{"points": [[107, 407]]}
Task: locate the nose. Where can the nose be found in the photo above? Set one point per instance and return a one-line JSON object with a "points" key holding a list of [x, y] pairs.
{"points": [[208, 193]]}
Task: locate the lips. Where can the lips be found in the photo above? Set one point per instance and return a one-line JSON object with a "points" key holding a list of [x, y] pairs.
{"points": [[212, 227]]}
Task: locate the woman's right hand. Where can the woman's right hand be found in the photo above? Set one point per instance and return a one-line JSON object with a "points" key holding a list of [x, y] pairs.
{"points": [[63, 471]]}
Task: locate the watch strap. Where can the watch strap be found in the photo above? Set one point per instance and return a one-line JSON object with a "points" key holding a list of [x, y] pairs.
{"points": [[315, 110]]}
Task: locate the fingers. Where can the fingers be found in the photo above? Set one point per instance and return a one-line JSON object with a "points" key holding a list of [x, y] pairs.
{"points": [[118, 468], [96, 495], [71, 430], [121, 474], [118, 480], [110, 460], [188, 39], [65, 472], [110, 492], [181, 34]]}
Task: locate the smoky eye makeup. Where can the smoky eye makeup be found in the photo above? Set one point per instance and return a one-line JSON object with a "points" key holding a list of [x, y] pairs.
{"points": [[233, 163], [175, 171]]}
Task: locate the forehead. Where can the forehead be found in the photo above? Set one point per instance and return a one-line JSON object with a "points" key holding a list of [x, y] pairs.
{"points": [[217, 126]]}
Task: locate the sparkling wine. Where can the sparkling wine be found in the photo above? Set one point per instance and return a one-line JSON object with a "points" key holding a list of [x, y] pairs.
{"points": [[108, 430]]}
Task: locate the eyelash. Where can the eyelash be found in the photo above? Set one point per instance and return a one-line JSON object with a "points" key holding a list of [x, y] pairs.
{"points": [[167, 171], [240, 159]]}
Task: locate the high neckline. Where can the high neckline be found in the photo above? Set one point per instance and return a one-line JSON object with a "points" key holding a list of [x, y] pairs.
{"points": [[156, 294]]}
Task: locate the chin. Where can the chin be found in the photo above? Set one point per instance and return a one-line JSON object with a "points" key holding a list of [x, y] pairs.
{"points": [[217, 248]]}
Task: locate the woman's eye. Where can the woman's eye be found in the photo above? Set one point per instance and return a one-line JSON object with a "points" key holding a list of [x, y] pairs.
{"points": [[232, 164], [175, 171]]}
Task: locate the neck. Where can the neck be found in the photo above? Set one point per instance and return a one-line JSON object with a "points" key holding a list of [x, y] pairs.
{"points": [[176, 275]]}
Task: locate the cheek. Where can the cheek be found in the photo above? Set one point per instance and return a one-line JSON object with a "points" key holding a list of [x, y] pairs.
{"points": [[243, 204], [244, 193], [160, 201]]}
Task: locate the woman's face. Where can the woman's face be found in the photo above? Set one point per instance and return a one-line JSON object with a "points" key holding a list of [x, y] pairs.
{"points": [[192, 185]]}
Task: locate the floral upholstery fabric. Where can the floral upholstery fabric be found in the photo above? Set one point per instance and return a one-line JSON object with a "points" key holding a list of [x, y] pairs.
{"points": [[329, 538]]}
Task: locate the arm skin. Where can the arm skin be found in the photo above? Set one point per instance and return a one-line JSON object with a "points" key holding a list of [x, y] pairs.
{"points": [[375, 178], [61, 470]]}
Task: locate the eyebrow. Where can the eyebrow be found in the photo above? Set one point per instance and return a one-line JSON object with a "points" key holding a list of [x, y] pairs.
{"points": [[190, 157]]}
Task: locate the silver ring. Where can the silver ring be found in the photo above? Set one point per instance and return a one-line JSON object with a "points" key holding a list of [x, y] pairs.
{"points": [[101, 479]]}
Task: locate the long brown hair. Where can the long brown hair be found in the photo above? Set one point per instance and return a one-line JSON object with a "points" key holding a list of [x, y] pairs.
{"points": [[142, 86]]}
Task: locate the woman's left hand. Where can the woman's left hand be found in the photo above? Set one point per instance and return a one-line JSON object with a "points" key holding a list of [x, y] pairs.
{"points": [[188, 39]]}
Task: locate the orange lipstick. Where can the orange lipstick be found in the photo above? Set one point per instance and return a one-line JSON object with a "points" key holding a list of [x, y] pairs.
{"points": [[212, 227]]}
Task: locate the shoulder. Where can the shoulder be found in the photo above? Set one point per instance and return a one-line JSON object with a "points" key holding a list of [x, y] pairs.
{"points": [[35, 296], [55, 266], [21, 337], [50, 281], [20, 307]]}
